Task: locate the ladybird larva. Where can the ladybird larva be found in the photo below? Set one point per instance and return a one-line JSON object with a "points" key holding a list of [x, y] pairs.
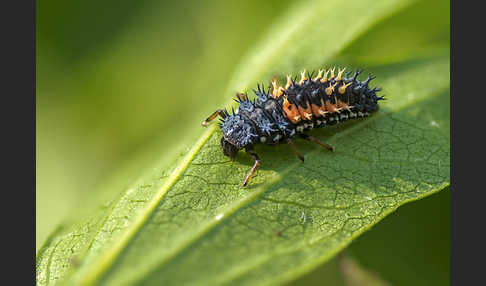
{"points": [[283, 112]]}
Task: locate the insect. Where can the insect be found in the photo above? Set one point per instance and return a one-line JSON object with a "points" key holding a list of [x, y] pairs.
{"points": [[281, 113]]}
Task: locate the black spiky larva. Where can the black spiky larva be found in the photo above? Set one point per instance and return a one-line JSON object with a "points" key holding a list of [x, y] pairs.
{"points": [[283, 112]]}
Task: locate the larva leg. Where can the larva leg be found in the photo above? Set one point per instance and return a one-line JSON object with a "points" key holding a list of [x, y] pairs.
{"points": [[254, 168], [219, 112], [315, 140], [297, 152]]}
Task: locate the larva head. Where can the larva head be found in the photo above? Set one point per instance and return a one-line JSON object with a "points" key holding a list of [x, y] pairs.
{"points": [[229, 149], [238, 133]]}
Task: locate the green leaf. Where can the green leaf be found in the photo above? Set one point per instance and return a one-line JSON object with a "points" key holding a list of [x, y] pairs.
{"points": [[409, 247], [192, 223]]}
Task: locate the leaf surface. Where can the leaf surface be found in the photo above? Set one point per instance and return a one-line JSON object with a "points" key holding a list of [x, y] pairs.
{"points": [[194, 224]]}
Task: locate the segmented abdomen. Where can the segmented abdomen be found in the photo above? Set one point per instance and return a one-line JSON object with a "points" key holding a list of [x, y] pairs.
{"points": [[326, 99], [322, 100]]}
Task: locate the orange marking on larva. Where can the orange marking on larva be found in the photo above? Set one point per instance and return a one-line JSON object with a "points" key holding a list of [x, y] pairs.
{"points": [[344, 105], [277, 90], [274, 84], [291, 111], [303, 77], [324, 79], [317, 110], [322, 110], [339, 103], [319, 76], [289, 82], [305, 113], [329, 90], [340, 73], [241, 95], [331, 107], [332, 72], [338, 107], [323, 106]]}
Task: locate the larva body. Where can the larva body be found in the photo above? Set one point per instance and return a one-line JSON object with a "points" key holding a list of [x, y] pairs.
{"points": [[284, 112]]}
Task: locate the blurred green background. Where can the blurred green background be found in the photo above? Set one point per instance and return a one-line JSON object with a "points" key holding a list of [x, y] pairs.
{"points": [[115, 76], [119, 82]]}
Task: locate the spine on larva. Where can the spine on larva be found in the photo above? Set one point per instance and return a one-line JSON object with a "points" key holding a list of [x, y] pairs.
{"points": [[326, 99], [312, 102]]}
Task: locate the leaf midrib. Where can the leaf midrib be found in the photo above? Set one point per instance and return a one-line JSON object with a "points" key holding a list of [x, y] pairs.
{"points": [[106, 259]]}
